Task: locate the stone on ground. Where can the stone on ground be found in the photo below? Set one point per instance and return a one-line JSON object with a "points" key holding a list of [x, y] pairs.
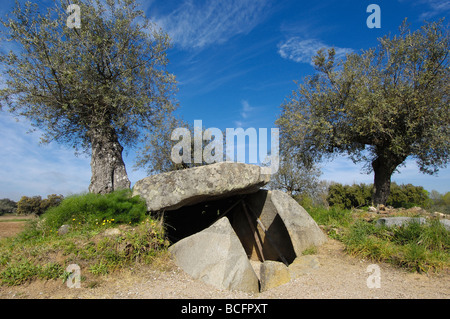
{"points": [[273, 274], [216, 257], [399, 221]]}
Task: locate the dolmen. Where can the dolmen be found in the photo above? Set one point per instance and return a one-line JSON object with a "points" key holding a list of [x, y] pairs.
{"points": [[221, 222]]}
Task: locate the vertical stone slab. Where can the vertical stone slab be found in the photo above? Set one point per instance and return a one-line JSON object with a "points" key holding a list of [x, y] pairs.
{"points": [[303, 230], [216, 257]]}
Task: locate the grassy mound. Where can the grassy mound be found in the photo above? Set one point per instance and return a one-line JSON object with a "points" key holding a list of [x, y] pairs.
{"points": [[40, 252]]}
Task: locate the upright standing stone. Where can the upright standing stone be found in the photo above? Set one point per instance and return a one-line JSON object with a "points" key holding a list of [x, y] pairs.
{"points": [[216, 257], [303, 230]]}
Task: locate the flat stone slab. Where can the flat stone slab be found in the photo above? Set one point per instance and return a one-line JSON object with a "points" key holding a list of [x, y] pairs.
{"points": [[215, 256], [399, 221], [172, 190]]}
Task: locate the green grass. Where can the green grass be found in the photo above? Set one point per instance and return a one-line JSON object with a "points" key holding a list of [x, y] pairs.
{"points": [[40, 253], [416, 247], [14, 220]]}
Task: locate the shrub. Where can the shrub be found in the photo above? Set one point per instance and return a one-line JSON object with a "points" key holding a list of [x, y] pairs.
{"points": [[7, 206], [346, 196], [407, 196], [118, 206], [358, 195], [37, 205]]}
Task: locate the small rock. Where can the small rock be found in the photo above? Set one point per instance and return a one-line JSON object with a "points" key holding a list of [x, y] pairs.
{"points": [[64, 229], [446, 223], [111, 232], [399, 221], [372, 209], [273, 274], [438, 215]]}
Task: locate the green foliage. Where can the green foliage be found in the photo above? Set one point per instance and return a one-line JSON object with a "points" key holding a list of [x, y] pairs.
{"points": [[419, 247], [295, 178], [96, 209], [108, 74], [36, 205], [18, 273], [333, 217], [29, 205], [359, 195], [407, 196], [7, 206], [31, 256], [439, 202], [346, 196], [378, 106]]}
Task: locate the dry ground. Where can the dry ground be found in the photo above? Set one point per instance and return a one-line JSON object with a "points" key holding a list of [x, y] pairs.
{"points": [[339, 276], [9, 227]]}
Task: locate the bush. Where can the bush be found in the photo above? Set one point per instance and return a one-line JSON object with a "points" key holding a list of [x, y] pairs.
{"points": [[345, 196], [358, 195], [439, 202], [407, 196], [119, 206], [36, 205], [7, 206]]}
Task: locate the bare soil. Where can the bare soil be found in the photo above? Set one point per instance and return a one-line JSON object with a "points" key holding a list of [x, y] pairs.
{"points": [[10, 227], [339, 276]]}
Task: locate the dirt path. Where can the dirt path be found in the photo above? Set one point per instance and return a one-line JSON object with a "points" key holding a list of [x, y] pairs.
{"points": [[339, 276]]}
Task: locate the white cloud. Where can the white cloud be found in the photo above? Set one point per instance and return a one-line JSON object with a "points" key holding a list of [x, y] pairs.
{"points": [[197, 25], [246, 109], [245, 113], [437, 7], [302, 51], [31, 169]]}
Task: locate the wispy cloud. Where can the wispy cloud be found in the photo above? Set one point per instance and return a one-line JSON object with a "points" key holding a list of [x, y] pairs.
{"points": [[245, 113], [246, 109], [200, 24], [436, 7], [302, 50], [30, 169]]}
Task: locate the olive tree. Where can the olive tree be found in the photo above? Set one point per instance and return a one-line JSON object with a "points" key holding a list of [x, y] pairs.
{"points": [[379, 106], [95, 87]]}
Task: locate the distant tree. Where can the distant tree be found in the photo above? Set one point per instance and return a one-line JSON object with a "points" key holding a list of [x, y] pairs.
{"points": [[96, 88], [36, 205], [7, 206], [156, 155], [29, 205], [408, 196], [380, 106], [294, 178], [52, 200]]}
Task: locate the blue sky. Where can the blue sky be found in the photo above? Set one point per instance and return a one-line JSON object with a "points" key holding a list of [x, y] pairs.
{"points": [[236, 62]]}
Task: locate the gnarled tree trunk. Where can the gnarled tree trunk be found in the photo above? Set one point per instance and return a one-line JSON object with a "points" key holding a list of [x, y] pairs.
{"points": [[108, 168], [383, 167]]}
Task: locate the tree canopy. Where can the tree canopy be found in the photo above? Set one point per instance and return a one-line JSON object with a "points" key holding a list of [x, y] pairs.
{"points": [[96, 88], [379, 106]]}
